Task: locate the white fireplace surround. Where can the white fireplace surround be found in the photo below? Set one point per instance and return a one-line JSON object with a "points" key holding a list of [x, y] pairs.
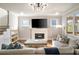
{"points": [[39, 30]]}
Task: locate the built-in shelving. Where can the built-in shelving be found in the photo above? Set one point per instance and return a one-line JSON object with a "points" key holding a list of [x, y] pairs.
{"points": [[14, 36]]}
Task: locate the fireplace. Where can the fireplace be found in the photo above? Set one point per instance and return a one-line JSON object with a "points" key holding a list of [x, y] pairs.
{"points": [[39, 35]]}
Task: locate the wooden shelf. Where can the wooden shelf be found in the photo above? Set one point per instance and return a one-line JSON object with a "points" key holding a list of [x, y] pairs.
{"points": [[70, 32], [14, 36]]}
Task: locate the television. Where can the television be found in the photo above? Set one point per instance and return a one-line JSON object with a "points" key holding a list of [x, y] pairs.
{"points": [[39, 23]]}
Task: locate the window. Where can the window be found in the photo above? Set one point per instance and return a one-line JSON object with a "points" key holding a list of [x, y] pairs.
{"points": [[53, 23], [70, 27]]}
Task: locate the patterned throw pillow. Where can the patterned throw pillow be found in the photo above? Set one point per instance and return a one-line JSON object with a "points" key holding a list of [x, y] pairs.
{"points": [[72, 43], [17, 46]]}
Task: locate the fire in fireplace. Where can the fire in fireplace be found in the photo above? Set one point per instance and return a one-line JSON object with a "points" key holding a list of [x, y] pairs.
{"points": [[39, 35]]}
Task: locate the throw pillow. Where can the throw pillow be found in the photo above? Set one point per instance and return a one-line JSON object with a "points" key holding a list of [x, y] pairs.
{"points": [[72, 43], [75, 46], [77, 41], [11, 46], [65, 39], [4, 46], [17, 46]]}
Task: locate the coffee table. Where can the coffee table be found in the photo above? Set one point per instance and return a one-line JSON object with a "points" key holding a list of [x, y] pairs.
{"points": [[35, 44]]}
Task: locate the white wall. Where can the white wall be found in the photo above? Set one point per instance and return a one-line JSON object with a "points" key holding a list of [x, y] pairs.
{"points": [[3, 17], [13, 21], [64, 25], [24, 28], [53, 32]]}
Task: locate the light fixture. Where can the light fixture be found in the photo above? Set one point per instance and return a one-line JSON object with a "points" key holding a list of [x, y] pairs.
{"points": [[69, 21], [58, 26], [38, 6], [21, 14], [57, 13]]}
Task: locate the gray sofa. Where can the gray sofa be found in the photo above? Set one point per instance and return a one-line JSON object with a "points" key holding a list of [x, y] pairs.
{"points": [[27, 51], [35, 51]]}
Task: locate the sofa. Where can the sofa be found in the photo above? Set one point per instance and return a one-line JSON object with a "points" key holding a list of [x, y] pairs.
{"points": [[70, 48], [27, 51], [35, 51], [66, 42], [62, 51]]}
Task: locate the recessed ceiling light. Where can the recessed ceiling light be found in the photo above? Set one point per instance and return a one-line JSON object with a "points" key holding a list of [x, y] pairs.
{"points": [[57, 13], [21, 14]]}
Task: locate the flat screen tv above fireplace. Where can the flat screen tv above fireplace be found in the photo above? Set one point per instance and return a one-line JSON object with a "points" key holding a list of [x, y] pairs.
{"points": [[39, 23]]}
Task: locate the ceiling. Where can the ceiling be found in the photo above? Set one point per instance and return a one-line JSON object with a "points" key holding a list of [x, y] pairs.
{"points": [[50, 9]]}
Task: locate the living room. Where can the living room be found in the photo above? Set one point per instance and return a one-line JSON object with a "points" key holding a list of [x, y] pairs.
{"points": [[39, 28]]}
